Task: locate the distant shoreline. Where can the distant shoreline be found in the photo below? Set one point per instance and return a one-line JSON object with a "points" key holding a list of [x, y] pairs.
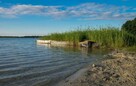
{"points": [[20, 36]]}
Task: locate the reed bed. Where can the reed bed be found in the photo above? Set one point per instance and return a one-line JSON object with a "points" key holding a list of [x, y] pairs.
{"points": [[109, 36]]}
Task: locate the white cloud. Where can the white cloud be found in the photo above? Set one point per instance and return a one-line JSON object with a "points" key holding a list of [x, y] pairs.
{"points": [[86, 11], [101, 11], [30, 10]]}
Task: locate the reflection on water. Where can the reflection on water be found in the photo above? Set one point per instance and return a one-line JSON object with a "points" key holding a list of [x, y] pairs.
{"points": [[24, 63], [82, 50]]}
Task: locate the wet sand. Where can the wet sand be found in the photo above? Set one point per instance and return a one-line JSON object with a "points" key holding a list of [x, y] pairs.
{"points": [[118, 70]]}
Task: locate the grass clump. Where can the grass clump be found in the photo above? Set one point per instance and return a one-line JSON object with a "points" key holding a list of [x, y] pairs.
{"points": [[108, 37]]}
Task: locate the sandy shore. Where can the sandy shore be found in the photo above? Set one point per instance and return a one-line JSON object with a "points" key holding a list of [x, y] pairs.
{"points": [[118, 70]]}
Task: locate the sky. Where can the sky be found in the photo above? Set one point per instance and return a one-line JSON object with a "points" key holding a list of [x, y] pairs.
{"points": [[41, 17]]}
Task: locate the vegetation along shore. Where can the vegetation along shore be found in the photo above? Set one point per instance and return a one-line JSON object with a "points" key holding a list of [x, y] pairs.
{"points": [[111, 37]]}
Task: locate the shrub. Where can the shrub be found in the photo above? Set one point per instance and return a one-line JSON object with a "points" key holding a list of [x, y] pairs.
{"points": [[130, 27]]}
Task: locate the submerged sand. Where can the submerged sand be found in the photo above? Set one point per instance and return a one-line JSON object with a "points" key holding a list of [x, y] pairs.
{"points": [[118, 70]]}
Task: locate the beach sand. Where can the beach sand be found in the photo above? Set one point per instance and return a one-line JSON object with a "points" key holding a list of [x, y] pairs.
{"points": [[119, 69]]}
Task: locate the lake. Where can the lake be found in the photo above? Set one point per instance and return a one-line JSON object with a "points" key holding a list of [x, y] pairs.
{"points": [[24, 63]]}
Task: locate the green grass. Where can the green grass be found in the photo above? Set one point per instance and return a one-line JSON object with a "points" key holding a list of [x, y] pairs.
{"points": [[129, 48], [109, 36]]}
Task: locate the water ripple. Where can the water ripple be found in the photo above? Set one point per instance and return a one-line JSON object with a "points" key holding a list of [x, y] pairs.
{"points": [[23, 63]]}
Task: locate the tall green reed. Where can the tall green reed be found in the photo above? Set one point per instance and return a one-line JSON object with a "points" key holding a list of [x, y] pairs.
{"points": [[105, 36]]}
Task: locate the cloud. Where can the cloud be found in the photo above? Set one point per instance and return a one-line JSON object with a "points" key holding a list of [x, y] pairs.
{"points": [[101, 11], [30, 10], [90, 11]]}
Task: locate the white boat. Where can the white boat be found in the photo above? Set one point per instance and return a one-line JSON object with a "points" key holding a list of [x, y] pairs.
{"points": [[44, 41]]}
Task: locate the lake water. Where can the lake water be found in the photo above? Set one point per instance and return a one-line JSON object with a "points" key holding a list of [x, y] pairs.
{"points": [[24, 63]]}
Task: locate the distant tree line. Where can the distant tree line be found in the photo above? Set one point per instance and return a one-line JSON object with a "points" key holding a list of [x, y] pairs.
{"points": [[19, 36]]}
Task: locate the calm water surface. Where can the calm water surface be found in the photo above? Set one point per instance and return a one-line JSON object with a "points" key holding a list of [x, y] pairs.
{"points": [[24, 63]]}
